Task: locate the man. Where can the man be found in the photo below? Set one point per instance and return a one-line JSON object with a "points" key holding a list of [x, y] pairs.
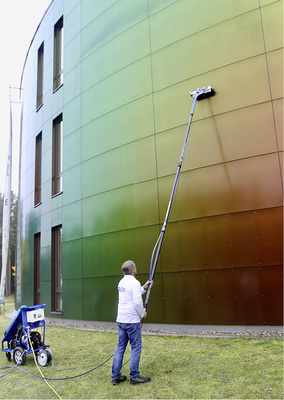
{"points": [[129, 314]]}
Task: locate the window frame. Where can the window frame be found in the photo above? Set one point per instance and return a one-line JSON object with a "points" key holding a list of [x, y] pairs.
{"points": [[56, 270], [37, 256], [58, 55], [38, 169], [57, 155], [40, 61]]}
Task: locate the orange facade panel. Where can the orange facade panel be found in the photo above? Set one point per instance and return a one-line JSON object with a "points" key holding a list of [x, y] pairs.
{"points": [[241, 296], [248, 239]]}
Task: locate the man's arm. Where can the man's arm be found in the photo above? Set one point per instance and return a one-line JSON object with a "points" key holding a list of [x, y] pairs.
{"points": [[145, 286], [137, 299]]}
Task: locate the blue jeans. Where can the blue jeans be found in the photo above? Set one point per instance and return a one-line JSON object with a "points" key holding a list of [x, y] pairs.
{"points": [[131, 333]]}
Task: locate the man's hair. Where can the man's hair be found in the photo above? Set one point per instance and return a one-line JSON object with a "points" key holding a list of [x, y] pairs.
{"points": [[127, 267]]}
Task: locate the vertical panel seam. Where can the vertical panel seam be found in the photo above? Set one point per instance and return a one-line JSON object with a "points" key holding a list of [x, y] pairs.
{"points": [[271, 98], [156, 155]]}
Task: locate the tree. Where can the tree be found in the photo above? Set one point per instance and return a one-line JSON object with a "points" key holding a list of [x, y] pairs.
{"points": [[13, 235], [1, 225], [13, 227]]}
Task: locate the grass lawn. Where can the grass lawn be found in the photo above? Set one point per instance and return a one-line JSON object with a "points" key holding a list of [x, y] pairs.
{"points": [[180, 368]]}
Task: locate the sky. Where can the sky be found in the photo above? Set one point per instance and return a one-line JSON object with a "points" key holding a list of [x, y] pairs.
{"points": [[18, 22]]}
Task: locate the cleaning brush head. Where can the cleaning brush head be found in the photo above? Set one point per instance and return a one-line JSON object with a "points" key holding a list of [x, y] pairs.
{"points": [[203, 93]]}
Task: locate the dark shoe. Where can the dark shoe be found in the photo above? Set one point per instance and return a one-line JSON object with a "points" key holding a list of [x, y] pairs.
{"points": [[122, 378], [139, 379]]}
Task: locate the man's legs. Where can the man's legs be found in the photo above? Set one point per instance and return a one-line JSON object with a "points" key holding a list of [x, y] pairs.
{"points": [[131, 332], [119, 351], [135, 340]]}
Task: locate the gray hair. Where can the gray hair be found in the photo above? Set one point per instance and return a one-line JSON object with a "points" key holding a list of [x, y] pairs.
{"points": [[127, 267]]}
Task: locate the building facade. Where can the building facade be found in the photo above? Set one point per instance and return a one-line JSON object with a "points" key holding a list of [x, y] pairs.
{"points": [[105, 107]]}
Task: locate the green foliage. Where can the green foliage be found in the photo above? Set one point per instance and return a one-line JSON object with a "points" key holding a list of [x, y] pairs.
{"points": [[1, 223], [180, 367], [13, 228]]}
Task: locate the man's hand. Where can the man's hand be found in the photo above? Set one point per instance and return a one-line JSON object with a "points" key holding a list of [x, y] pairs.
{"points": [[145, 315], [145, 286]]}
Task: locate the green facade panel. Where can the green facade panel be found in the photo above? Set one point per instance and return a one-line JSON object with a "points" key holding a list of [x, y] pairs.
{"points": [[130, 46], [102, 253], [124, 208], [131, 122], [191, 17], [45, 263], [71, 219], [72, 255], [198, 54], [128, 67], [45, 289], [73, 298], [126, 85], [113, 169], [94, 289]]}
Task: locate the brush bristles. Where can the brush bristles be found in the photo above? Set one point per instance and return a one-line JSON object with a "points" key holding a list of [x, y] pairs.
{"points": [[203, 93]]}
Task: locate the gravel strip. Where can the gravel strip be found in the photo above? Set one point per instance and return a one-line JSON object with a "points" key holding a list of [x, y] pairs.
{"points": [[82, 325], [213, 333]]}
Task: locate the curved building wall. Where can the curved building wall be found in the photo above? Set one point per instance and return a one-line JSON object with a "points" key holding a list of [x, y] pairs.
{"points": [[127, 71]]}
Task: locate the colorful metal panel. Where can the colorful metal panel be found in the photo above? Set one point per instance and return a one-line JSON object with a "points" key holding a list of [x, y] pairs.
{"points": [[128, 70]]}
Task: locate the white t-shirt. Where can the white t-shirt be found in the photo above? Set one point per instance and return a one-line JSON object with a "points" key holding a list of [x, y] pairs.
{"points": [[130, 303]]}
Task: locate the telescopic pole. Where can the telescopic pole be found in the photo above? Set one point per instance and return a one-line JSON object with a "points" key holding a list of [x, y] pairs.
{"points": [[201, 93]]}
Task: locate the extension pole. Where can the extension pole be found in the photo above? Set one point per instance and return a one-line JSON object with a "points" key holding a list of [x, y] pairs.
{"points": [[201, 93]]}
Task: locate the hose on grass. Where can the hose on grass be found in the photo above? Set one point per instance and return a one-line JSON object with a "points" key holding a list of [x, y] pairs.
{"points": [[29, 338]]}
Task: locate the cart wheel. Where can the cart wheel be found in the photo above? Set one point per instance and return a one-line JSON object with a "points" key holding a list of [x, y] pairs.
{"points": [[49, 355], [19, 356], [8, 355], [44, 357]]}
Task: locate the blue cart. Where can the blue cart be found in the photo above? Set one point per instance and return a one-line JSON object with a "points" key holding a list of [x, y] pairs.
{"points": [[22, 337]]}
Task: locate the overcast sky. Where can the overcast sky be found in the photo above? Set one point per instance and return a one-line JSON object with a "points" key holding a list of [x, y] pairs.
{"points": [[18, 22]]}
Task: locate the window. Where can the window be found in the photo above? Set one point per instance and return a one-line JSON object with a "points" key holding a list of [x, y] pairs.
{"points": [[37, 268], [58, 55], [38, 159], [57, 156], [56, 269], [39, 98]]}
